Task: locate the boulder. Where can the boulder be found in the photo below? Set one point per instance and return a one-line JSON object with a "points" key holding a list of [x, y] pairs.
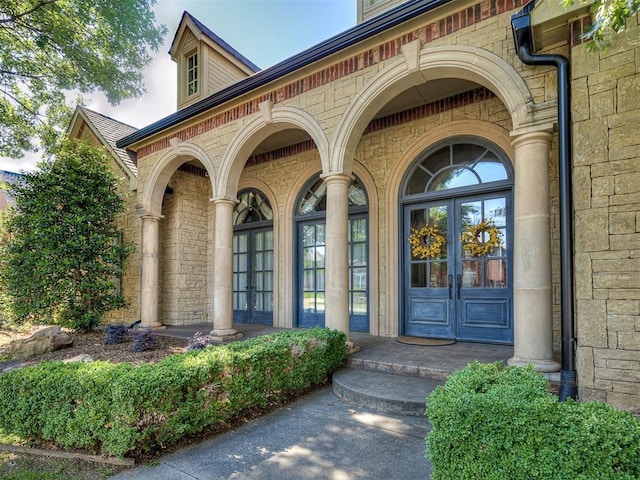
{"points": [[43, 341]]}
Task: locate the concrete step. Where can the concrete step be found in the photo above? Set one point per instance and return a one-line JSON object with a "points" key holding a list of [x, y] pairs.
{"points": [[384, 392], [433, 371]]}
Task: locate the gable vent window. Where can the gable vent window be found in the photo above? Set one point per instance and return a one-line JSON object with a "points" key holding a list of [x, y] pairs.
{"points": [[192, 74]]}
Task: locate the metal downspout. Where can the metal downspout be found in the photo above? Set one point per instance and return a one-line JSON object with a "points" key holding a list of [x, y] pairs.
{"points": [[521, 28]]}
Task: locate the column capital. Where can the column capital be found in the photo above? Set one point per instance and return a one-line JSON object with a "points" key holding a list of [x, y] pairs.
{"points": [[145, 213], [337, 177], [224, 200], [532, 134]]}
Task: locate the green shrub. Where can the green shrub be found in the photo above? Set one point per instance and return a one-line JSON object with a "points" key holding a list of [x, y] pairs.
{"points": [[121, 409], [496, 422]]}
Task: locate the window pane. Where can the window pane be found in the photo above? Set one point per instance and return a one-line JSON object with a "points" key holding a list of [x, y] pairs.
{"points": [[453, 178]]}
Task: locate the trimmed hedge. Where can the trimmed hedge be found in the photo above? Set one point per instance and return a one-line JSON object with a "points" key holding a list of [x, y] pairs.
{"points": [[496, 422], [120, 409]]}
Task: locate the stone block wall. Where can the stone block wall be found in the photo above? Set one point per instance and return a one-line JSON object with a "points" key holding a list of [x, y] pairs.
{"points": [[186, 250], [606, 114]]}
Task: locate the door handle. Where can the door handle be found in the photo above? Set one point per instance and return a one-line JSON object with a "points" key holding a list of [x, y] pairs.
{"points": [[458, 284], [450, 278]]}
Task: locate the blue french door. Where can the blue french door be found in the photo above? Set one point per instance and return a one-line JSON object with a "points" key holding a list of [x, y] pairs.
{"points": [[253, 276], [311, 273], [452, 293]]}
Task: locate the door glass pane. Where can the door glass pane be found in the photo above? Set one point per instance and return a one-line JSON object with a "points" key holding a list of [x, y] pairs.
{"points": [[268, 260], [258, 240], [258, 261], [308, 235], [471, 273], [309, 281], [359, 279], [309, 257], [320, 279], [495, 210], [359, 303], [471, 213], [268, 240], [319, 302], [496, 273], [418, 275], [438, 275]]}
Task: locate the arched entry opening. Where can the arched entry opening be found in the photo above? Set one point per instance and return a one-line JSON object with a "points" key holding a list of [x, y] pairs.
{"points": [[310, 241], [457, 235], [253, 258]]}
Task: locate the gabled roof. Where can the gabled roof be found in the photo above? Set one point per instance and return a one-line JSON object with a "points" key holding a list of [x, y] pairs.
{"points": [[108, 131], [352, 36], [213, 37]]}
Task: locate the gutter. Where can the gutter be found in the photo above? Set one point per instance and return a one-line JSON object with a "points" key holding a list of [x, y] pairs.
{"points": [[521, 29], [348, 38]]}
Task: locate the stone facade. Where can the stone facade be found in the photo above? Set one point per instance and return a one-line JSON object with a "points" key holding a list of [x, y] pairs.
{"points": [[606, 116], [362, 111]]}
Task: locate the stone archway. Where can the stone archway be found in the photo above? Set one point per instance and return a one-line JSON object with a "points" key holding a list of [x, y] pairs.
{"points": [[422, 65], [271, 119], [531, 141], [156, 182], [150, 210]]}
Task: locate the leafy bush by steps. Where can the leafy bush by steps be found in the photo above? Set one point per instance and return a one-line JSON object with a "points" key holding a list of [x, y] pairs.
{"points": [[120, 409], [493, 422]]}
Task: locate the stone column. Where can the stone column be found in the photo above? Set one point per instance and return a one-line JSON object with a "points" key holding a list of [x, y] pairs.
{"points": [[533, 319], [222, 308], [337, 254], [150, 273]]}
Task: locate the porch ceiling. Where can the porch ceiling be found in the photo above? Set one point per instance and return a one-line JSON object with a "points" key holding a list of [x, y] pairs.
{"points": [[412, 97]]}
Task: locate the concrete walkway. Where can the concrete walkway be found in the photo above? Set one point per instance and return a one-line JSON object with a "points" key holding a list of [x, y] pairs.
{"points": [[321, 436], [317, 437]]}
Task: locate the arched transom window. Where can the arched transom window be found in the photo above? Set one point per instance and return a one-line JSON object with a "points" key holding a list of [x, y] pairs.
{"points": [[456, 165]]}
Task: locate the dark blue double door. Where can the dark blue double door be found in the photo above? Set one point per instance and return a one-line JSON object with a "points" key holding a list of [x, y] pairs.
{"points": [[253, 276], [452, 293]]}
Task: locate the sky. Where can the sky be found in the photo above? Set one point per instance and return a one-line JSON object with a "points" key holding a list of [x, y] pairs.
{"points": [[264, 31]]}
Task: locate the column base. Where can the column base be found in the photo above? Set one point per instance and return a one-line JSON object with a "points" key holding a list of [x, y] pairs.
{"points": [[541, 365], [224, 336], [153, 327]]}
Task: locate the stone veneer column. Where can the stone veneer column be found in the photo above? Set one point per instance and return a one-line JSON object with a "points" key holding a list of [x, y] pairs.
{"points": [[222, 308], [337, 254], [150, 274], [533, 319]]}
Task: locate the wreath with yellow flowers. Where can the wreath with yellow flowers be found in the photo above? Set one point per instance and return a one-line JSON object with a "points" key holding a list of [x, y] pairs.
{"points": [[426, 242], [472, 238]]}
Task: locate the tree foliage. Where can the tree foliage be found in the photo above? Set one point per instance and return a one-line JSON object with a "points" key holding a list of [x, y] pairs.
{"points": [[62, 253], [50, 48], [610, 17]]}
